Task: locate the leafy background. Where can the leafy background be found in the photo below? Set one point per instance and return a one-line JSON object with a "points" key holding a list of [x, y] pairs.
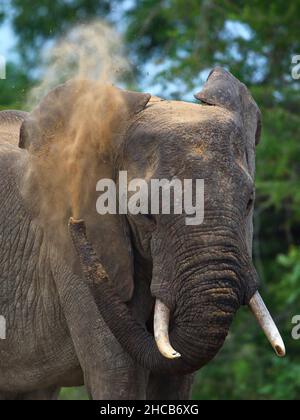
{"points": [[172, 45]]}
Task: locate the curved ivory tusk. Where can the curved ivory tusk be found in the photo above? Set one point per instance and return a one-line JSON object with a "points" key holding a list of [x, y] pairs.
{"points": [[266, 322], [161, 331]]}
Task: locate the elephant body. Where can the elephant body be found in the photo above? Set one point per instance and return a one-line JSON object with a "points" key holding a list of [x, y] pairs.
{"points": [[38, 352], [65, 327]]}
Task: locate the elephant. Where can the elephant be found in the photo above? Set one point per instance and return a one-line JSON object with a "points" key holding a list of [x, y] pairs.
{"points": [[10, 124], [130, 305]]}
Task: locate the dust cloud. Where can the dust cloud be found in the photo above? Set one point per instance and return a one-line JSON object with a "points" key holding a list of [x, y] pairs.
{"points": [[92, 51], [72, 132]]}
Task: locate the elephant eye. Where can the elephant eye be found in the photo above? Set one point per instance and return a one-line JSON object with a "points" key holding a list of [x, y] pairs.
{"points": [[250, 202], [150, 218], [147, 221]]}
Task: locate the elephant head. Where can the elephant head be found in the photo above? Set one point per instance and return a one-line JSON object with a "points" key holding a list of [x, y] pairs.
{"points": [[201, 274]]}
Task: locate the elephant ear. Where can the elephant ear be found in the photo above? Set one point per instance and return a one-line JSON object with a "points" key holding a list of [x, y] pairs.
{"points": [[10, 123], [77, 109], [221, 89], [53, 115], [110, 233], [41, 124], [224, 90]]}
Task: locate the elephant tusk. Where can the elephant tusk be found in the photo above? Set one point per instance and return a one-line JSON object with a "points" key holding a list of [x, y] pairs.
{"points": [[161, 331], [267, 324]]}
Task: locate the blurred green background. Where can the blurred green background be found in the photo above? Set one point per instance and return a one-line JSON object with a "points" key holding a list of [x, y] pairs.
{"points": [[172, 45]]}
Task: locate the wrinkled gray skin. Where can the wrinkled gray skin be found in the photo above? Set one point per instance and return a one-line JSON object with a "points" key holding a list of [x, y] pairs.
{"points": [[10, 124], [56, 335]]}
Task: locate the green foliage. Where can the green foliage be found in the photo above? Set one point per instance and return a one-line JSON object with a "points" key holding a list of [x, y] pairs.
{"points": [[73, 394], [13, 89], [289, 285], [253, 39], [179, 41]]}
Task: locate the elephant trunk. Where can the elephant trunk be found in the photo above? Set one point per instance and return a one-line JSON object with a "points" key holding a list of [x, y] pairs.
{"points": [[197, 348], [198, 336]]}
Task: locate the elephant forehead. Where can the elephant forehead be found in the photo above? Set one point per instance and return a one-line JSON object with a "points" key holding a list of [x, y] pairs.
{"points": [[175, 119], [191, 127], [192, 133], [177, 112], [166, 129]]}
